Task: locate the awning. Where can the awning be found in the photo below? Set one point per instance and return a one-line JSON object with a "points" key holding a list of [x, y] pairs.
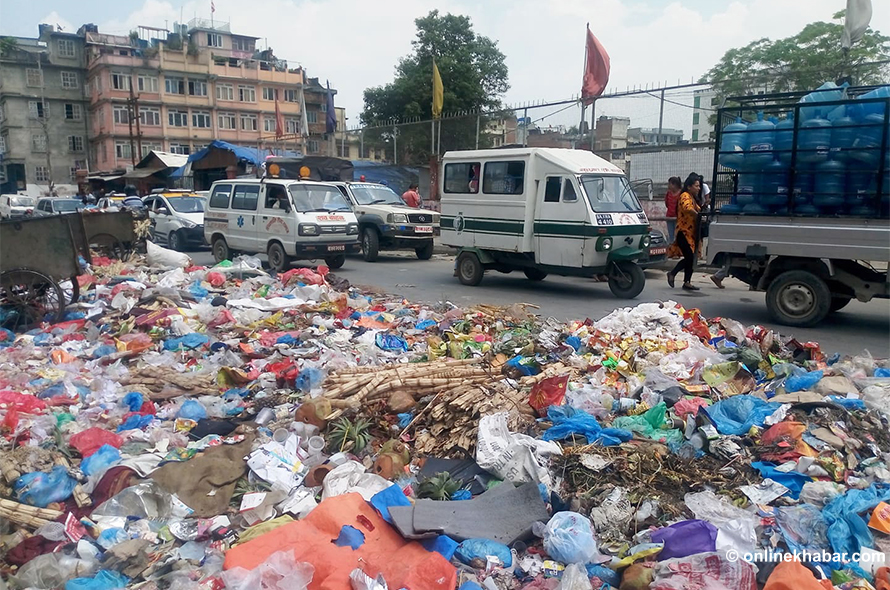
{"points": [[141, 172], [106, 178]]}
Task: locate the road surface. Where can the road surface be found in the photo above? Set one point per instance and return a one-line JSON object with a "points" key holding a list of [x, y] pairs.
{"points": [[858, 327]]}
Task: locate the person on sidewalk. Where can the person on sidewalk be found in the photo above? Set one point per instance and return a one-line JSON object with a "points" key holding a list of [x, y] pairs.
{"points": [[412, 197], [675, 187], [686, 241]]}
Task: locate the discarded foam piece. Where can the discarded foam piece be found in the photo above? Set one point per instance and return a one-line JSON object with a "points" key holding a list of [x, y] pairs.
{"points": [[505, 515]]}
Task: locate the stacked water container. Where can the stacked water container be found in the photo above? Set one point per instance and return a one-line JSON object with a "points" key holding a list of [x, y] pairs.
{"points": [[837, 161]]}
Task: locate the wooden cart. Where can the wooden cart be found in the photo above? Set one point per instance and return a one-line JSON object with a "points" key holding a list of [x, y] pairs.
{"points": [[35, 255], [108, 234]]}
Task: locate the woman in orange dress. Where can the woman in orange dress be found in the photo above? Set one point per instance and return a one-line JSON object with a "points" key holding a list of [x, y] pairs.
{"points": [[686, 240]]}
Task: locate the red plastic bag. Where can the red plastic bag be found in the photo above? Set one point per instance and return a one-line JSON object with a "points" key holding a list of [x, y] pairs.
{"points": [[22, 402], [686, 406], [285, 371], [216, 279], [548, 392], [89, 441]]}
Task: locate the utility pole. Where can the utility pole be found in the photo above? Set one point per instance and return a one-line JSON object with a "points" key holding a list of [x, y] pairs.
{"points": [[395, 146], [44, 123], [135, 99], [130, 104], [478, 116], [660, 117]]}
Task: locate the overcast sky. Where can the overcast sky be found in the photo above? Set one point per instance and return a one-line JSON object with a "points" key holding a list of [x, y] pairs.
{"points": [[356, 43]]}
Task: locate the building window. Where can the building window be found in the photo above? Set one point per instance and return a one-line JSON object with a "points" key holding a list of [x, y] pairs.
{"points": [[312, 116], [269, 124], [2, 144], [75, 143], [177, 118], [2, 112], [147, 84], [66, 48], [120, 81], [239, 44], [34, 77], [214, 40], [122, 150], [41, 173], [290, 95], [291, 126], [73, 112], [150, 116], [226, 120], [270, 93], [246, 94], [343, 150], [151, 147], [695, 135], [174, 85], [103, 151], [225, 92], [38, 109], [324, 107], [180, 148], [248, 122], [69, 79], [695, 118], [121, 115], [201, 119], [38, 142], [197, 87], [313, 146]]}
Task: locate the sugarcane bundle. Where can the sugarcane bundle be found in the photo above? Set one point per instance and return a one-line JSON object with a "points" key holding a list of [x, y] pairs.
{"points": [[160, 383], [26, 515]]}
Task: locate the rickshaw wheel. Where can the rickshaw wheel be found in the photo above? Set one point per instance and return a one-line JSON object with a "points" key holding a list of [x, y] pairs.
{"points": [[109, 246], [72, 292], [28, 297], [626, 279]]}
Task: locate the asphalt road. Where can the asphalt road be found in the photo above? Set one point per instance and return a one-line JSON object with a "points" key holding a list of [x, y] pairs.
{"points": [[858, 327]]}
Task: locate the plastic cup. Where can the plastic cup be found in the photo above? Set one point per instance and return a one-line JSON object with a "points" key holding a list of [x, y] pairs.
{"points": [[265, 416], [280, 435], [315, 445]]}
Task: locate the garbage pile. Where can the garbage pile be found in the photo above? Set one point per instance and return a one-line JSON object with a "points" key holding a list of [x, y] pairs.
{"points": [[194, 428]]}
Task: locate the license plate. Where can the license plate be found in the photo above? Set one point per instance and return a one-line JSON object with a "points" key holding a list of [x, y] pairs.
{"points": [[657, 251], [423, 229], [336, 248]]}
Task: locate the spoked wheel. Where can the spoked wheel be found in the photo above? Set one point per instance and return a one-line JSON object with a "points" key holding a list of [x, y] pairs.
{"points": [[70, 290], [108, 246], [27, 298]]}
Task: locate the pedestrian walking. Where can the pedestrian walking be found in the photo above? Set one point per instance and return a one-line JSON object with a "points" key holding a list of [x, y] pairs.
{"points": [[675, 187], [686, 241], [412, 197]]}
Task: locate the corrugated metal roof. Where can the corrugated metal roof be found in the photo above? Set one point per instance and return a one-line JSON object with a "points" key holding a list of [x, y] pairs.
{"points": [[169, 159]]}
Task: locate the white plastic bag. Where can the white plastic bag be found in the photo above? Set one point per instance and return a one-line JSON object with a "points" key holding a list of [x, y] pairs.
{"points": [[736, 528], [704, 571], [280, 571], [509, 455], [574, 578], [164, 258]]}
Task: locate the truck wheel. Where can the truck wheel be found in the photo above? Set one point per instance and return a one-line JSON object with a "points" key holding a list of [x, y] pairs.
{"points": [[425, 252], [370, 244], [626, 279], [838, 303], [278, 258], [798, 298], [335, 262], [221, 249], [535, 274], [469, 269]]}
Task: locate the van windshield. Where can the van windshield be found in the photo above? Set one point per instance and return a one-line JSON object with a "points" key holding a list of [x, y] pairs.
{"points": [[375, 194], [317, 198], [610, 194], [21, 202]]}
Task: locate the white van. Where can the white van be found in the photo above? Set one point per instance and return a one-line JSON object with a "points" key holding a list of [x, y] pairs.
{"points": [[541, 211], [16, 206], [285, 218]]}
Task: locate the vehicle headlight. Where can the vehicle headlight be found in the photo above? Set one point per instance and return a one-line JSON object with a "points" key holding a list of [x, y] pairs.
{"points": [[644, 243], [604, 244], [308, 229], [352, 229], [188, 224], [398, 218]]}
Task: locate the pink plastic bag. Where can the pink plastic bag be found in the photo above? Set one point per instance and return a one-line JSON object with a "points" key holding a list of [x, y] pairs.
{"points": [[704, 571], [689, 406]]}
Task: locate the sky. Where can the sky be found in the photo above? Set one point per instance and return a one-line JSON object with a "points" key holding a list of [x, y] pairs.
{"points": [[356, 43]]}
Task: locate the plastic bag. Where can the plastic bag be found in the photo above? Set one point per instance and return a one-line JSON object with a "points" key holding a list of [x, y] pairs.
{"points": [[471, 549], [281, 571], [801, 380], [509, 455], [191, 410], [574, 578], [40, 489], [705, 571], [568, 538], [650, 424], [164, 258], [104, 580], [145, 500], [792, 575], [101, 460], [736, 528], [803, 528], [548, 392], [736, 415], [187, 342], [52, 570], [686, 538], [567, 421], [847, 530]]}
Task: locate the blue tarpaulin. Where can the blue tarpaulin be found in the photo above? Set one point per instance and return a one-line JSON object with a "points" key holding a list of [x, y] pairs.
{"points": [[250, 155]]}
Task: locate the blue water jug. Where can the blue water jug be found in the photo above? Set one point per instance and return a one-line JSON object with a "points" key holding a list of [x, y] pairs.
{"points": [[784, 141], [867, 143], [825, 93], [774, 185], [748, 189], [873, 108], [830, 181], [843, 135], [814, 141], [761, 135], [733, 143]]}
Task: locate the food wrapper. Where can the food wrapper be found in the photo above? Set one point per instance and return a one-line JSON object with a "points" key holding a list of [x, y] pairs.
{"points": [[362, 581]]}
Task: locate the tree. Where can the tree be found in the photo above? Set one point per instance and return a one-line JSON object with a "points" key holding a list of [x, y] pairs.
{"points": [[474, 77], [7, 46], [802, 62]]}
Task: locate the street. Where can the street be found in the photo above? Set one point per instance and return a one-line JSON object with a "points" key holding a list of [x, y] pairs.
{"points": [[858, 327]]}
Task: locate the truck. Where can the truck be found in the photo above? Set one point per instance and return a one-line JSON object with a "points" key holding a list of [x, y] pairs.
{"points": [[800, 206], [542, 211]]}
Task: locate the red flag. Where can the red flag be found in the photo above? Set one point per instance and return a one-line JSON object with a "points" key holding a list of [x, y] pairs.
{"points": [[596, 69], [279, 122]]}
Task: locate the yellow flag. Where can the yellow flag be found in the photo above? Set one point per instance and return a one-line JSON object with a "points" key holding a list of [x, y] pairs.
{"points": [[438, 92]]}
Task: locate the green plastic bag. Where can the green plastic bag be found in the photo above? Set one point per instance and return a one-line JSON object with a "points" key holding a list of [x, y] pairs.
{"points": [[652, 424]]}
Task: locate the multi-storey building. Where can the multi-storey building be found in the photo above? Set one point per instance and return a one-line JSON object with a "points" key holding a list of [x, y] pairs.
{"points": [[178, 91], [702, 108], [43, 113], [654, 136]]}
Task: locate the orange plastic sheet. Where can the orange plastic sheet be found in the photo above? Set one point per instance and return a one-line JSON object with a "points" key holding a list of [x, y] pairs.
{"points": [[792, 575]]}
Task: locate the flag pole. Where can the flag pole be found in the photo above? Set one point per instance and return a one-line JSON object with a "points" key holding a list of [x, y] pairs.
{"points": [[583, 106]]}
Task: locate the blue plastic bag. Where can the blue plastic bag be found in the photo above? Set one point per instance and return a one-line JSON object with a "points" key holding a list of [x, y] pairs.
{"points": [[574, 342], [198, 291], [104, 580], [288, 339], [881, 372], [391, 496], [847, 529], [43, 339], [609, 576], [792, 480], [462, 495], [405, 419], [189, 341], [848, 403], [567, 421], [41, 489], [801, 380], [103, 350], [423, 325], [525, 365], [136, 422], [686, 538], [308, 379], [472, 549], [391, 342], [803, 527], [443, 545], [192, 410], [134, 401], [569, 538], [737, 414], [102, 459]]}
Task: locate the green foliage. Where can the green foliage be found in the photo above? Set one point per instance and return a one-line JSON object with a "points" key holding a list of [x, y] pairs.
{"points": [[801, 62], [7, 45], [474, 76], [439, 487], [346, 435]]}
